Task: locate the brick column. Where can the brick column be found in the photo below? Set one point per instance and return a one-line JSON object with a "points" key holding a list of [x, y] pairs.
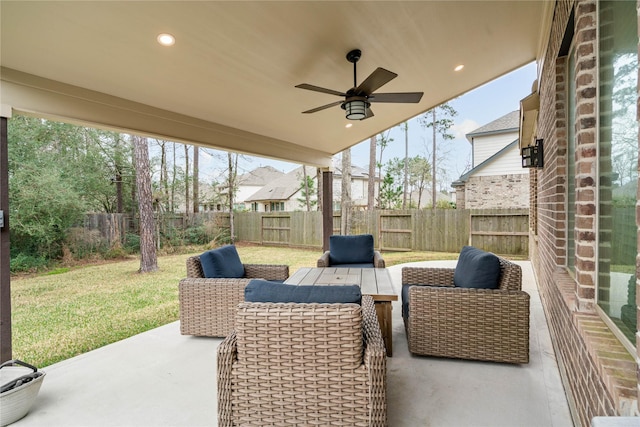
{"points": [[586, 155]]}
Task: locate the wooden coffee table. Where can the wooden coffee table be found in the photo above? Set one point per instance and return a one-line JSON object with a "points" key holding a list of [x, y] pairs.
{"points": [[372, 281]]}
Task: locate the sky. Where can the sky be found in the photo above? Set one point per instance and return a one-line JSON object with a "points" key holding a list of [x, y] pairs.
{"points": [[475, 109]]}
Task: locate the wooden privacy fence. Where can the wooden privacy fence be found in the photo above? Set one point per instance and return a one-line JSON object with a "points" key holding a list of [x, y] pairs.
{"points": [[447, 230], [500, 231], [503, 231]]}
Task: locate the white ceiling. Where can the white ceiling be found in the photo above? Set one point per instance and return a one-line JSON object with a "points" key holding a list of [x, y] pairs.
{"points": [[229, 80]]}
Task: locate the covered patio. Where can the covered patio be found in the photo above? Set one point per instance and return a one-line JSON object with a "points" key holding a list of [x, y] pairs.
{"points": [[229, 83], [161, 378]]}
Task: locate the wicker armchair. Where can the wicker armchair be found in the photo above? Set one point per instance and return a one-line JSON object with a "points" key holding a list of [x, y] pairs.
{"points": [[351, 251], [480, 324], [303, 364], [208, 306]]}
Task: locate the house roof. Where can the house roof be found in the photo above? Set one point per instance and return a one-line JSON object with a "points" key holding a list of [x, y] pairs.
{"points": [[229, 80], [510, 122], [260, 176], [465, 177], [356, 172], [282, 188]]}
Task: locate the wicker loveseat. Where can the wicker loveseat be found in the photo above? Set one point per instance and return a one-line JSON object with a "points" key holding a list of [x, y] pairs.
{"points": [[303, 364], [468, 323], [208, 306]]}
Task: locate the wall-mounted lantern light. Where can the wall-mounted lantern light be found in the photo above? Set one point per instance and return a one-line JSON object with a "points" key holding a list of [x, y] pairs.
{"points": [[533, 155]]}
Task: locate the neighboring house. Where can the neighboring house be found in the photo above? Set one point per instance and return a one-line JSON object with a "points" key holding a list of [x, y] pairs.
{"points": [[497, 179], [282, 194], [359, 187], [248, 184]]}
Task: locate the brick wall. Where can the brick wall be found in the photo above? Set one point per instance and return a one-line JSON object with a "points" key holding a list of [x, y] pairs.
{"points": [[497, 192], [600, 375]]}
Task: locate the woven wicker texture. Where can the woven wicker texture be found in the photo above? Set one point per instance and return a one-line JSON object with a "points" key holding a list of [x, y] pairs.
{"points": [[378, 261], [208, 306], [480, 324], [303, 364]]}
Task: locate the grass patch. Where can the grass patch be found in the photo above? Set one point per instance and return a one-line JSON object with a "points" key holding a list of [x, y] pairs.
{"points": [[60, 315], [58, 271]]}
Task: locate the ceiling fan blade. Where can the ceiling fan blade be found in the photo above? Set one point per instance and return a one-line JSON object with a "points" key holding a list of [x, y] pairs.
{"points": [[313, 110], [408, 97], [375, 81], [368, 114], [320, 89]]}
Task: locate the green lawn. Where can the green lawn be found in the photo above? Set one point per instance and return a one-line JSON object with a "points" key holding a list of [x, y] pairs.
{"points": [[58, 316]]}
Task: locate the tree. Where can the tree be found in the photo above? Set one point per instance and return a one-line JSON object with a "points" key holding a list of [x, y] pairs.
{"points": [[439, 120], [231, 183], [371, 190], [307, 191], [319, 199], [47, 198], [390, 194], [148, 257], [196, 179], [406, 165], [186, 181], [383, 142], [418, 173], [345, 200]]}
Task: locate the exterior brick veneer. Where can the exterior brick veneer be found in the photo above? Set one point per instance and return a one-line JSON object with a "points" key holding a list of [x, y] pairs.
{"points": [[496, 192], [601, 377]]}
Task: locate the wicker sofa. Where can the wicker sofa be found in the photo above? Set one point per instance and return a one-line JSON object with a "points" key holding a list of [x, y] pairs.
{"points": [[276, 369], [208, 306], [467, 323]]}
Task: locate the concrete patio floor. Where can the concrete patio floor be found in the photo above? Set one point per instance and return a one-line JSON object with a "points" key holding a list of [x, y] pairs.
{"points": [[161, 378]]}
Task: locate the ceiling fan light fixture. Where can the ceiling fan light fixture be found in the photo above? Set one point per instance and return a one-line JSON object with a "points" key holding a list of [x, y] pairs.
{"points": [[356, 110]]}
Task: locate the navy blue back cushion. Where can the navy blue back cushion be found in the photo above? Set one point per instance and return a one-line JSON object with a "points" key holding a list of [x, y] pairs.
{"points": [[259, 290], [477, 269], [223, 262], [351, 249]]}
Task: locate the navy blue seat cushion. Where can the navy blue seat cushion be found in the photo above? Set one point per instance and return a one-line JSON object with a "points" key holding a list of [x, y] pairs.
{"points": [[259, 290], [351, 249], [223, 262], [405, 301], [477, 269]]}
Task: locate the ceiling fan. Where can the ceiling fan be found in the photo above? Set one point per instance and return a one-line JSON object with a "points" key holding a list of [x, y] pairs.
{"points": [[358, 99]]}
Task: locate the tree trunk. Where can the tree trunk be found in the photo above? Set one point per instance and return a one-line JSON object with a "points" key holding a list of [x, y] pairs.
{"points": [[232, 182], [371, 189], [148, 258], [433, 165], [173, 181], [186, 182], [307, 199], [319, 191], [345, 223], [406, 165], [196, 179], [164, 173]]}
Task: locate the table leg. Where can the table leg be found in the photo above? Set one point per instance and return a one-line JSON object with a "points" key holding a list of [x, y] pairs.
{"points": [[383, 310]]}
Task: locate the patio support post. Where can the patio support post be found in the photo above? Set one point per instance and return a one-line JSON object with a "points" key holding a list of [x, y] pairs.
{"points": [[327, 207], [5, 286]]}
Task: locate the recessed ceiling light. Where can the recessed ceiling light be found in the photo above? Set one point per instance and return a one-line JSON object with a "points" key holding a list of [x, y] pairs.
{"points": [[348, 125], [166, 39], [459, 67]]}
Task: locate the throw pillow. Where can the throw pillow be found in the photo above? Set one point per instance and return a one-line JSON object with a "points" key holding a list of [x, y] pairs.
{"points": [[223, 262], [351, 249], [258, 290], [477, 269]]}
